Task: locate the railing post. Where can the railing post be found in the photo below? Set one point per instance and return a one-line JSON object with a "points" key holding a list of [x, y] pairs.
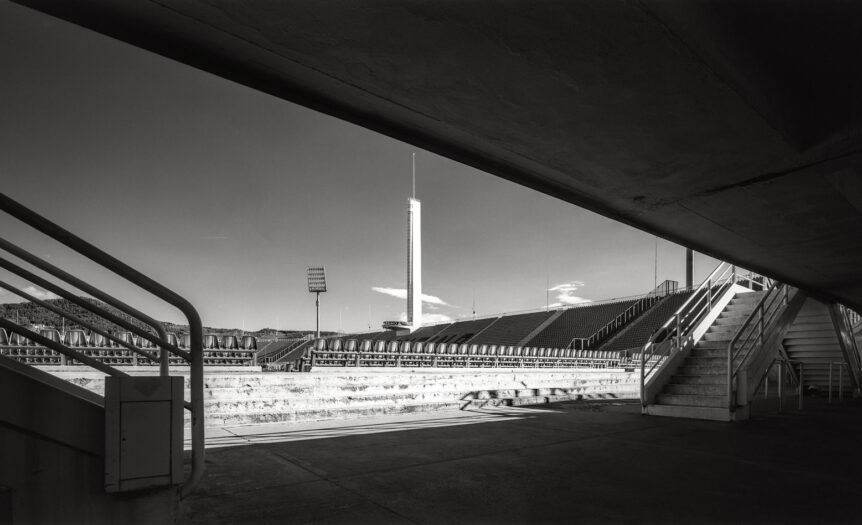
{"points": [[780, 381], [830, 383], [678, 334], [801, 382], [760, 325], [841, 382], [709, 293]]}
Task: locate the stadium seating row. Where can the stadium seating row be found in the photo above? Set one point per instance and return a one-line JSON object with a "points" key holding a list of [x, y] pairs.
{"points": [[225, 351], [352, 352], [80, 339]]}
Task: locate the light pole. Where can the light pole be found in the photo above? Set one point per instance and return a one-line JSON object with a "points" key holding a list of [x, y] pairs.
{"points": [[316, 285]]}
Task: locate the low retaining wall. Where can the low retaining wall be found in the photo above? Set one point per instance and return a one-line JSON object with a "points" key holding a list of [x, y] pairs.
{"points": [[338, 393]]}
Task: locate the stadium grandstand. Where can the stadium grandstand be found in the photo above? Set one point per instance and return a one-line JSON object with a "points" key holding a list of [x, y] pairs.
{"points": [[635, 335], [123, 349]]}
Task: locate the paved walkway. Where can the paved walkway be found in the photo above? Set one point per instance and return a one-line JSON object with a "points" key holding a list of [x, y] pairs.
{"points": [[576, 462]]}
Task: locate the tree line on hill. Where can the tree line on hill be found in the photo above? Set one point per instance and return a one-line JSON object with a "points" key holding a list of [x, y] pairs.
{"points": [[33, 314]]}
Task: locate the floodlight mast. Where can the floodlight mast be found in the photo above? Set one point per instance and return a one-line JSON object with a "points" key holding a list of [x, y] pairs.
{"points": [[316, 285]]}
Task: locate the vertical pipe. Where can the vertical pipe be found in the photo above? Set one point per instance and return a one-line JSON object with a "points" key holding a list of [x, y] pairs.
{"points": [[830, 383], [780, 382], [689, 269], [317, 308], [801, 382], [841, 382]]}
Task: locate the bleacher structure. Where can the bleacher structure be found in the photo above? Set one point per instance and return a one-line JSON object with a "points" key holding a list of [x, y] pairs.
{"points": [[567, 337], [225, 351]]}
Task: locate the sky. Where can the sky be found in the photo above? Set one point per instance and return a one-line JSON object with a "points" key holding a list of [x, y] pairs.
{"points": [[226, 195]]}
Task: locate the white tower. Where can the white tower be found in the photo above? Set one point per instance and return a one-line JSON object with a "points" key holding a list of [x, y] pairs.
{"points": [[414, 263]]}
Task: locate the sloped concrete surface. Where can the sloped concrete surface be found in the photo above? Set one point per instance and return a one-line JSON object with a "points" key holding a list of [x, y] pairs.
{"points": [[577, 462]]}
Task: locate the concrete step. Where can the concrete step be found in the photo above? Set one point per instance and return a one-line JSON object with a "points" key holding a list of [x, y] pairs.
{"points": [[706, 361], [702, 370], [707, 413], [329, 413], [712, 345], [691, 400], [735, 320], [718, 337], [703, 379], [723, 329], [696, 389], [699, 351]]}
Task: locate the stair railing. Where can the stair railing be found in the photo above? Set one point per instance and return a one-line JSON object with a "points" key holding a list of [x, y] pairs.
{"points": [[766, 317], [284, 351], [194, 356], [677, 330], [842, 318]]}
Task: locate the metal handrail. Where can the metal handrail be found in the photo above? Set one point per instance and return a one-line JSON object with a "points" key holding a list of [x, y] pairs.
{"points": [[638, 307], [764, 313], [195, 356], [289, 348], [680, 324], [78, 320]]}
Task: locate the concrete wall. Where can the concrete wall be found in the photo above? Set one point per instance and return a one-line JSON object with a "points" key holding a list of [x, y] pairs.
{"points": [[338, 393], [51, 457]]}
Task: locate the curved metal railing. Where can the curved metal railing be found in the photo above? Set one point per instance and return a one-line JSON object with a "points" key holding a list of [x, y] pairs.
{"points": [[194, 356]]}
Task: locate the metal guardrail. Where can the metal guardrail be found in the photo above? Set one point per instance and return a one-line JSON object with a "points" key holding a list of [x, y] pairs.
{"points": [[763, 320], [269, 359], [464, 356], [194, 356], [640, 306]]}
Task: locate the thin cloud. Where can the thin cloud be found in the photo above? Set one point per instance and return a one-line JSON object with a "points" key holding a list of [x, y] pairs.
{"points": [[38, 293], [428, 318], [401, 293], [566, 294]]}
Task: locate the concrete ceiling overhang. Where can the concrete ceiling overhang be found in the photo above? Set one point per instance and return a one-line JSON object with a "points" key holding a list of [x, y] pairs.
{"points": [[729, 126]]}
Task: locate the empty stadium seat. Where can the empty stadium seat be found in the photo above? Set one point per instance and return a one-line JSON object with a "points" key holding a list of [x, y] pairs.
{"points": [[211, 342], [229, 342], [97, 340], [419, 347], [146, 343], [249, 342], [380, 346], [366, 345], [76, 338], [392, 347], [406, 347], [186, 341], [320, 345], [172, 339], [4, 337], [473, 349], [336, 345], [51, 334], [350, 345]]}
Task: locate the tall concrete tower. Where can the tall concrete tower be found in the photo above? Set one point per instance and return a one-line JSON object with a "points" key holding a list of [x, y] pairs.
{"points": [[414, 263]]}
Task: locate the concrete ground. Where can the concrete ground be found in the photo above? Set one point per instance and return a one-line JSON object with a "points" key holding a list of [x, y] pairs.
{"points": [[574, 462]]}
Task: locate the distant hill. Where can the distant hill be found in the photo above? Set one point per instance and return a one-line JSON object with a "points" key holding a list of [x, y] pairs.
{"points": [[33, 314]]}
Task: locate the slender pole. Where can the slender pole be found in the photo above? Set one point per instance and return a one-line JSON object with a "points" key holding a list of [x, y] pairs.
{"points": [[780, 381], [689, 268], [317, 325], [801, 382]]}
